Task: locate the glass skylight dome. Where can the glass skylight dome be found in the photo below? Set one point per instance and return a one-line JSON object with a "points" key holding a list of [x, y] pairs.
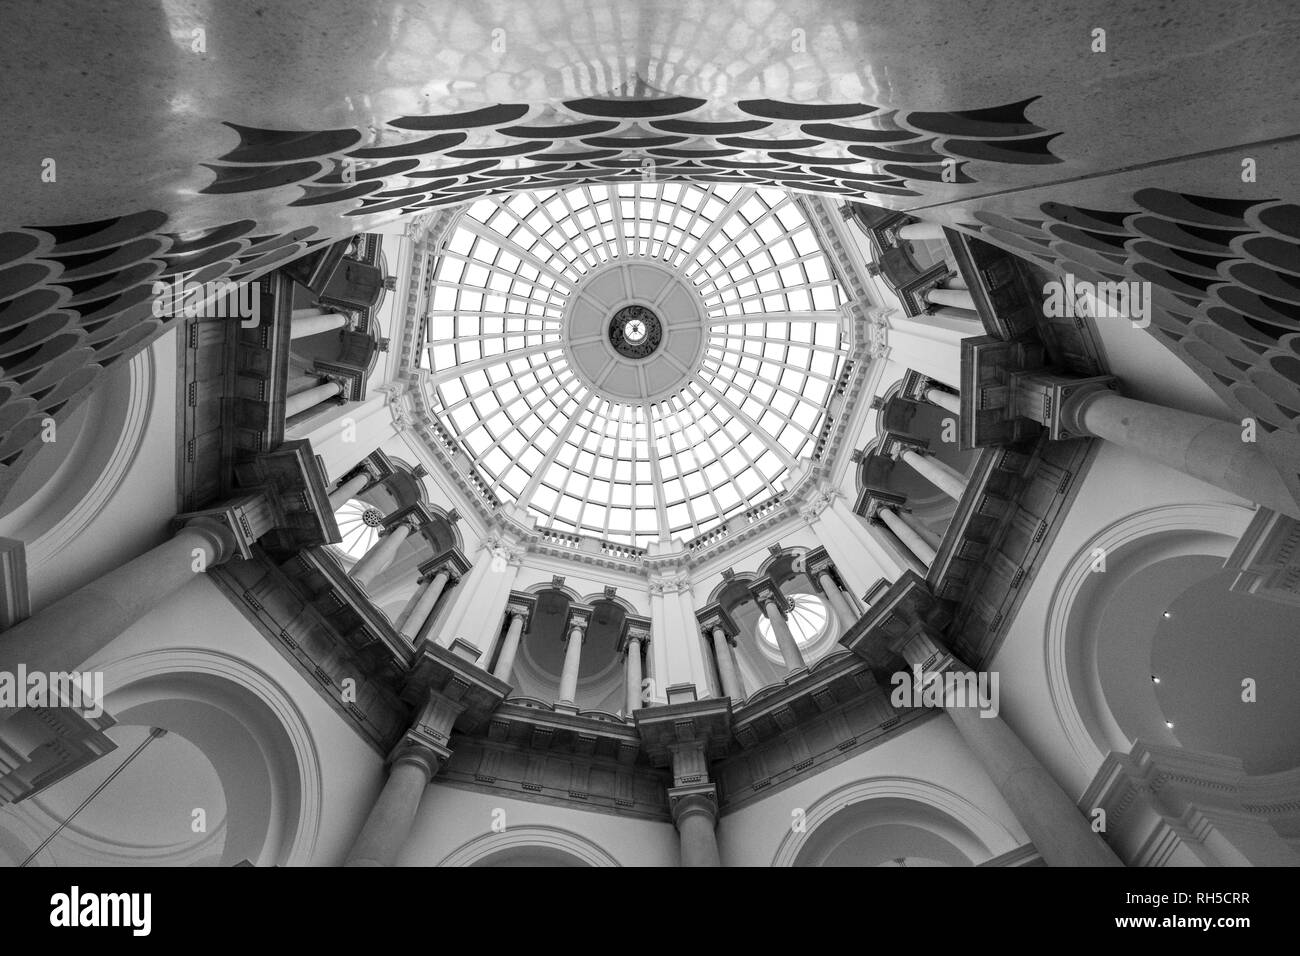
{"points": [[634, 361]]}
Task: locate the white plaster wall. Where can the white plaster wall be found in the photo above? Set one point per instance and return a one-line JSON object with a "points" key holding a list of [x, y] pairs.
{"points": [[450, 817], [135, 518], [1118, 484], [200, 616], [932, 752]]}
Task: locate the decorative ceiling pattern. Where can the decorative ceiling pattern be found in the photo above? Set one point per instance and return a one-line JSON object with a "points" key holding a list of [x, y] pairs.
{"points": [[75, 297], [587, 459], [1225, 275]]}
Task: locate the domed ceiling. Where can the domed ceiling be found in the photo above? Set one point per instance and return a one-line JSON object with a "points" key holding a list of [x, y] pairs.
{"points": [[634, 362]]}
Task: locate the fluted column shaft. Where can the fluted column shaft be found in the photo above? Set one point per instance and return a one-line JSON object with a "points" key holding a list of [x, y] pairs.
{"points": [[389, 823], [726, 665], [785, 641], [378, 559], [945, 400], [943, 476], [1195, 445], [348, 490], [425, 602], [65, 634], [913, 541], [572, 664], [839, 604], [299, 402], [633, 679]]}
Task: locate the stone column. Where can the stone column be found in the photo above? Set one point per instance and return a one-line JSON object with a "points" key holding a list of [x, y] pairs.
{"points": [[65, 634], [839, 604], [931, 344], [921, 230], [300, 402], [695, 814], [348, 490], [635, 637], [789, 647], [945, 400], [722, 645], [906, 534], [943, 476], [412, 764], [510, 647], [305, 322], [956, 298], [1195, 445], [1059, 831], [389, 824], [424, 602], [377, 560], [573, 658]]}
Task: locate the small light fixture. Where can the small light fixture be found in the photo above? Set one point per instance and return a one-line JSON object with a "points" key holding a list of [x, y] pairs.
{"points": [[1169, 724], [1155, 679]]}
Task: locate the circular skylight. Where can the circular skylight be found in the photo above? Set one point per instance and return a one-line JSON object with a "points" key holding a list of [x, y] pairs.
{"points": [[359, 525], [633, 362], [807, 621]]}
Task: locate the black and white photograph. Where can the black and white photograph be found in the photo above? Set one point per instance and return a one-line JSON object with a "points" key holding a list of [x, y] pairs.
{"points": [[655, 434]]}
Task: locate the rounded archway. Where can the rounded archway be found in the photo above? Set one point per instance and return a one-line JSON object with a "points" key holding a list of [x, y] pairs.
{"points": [[529, 846], [1147, 640], [247, 728], [884, 821]]}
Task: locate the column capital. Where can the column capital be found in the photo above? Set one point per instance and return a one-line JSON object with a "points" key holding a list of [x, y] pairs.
{"points": [[767, 591], [1017, 392], [411, 750], [406, 521], [821, 499], [696, 798], [578, 621], [634, 632], [451, 562], [711, 620], [225, 543], [518, 609], [670, 583]]}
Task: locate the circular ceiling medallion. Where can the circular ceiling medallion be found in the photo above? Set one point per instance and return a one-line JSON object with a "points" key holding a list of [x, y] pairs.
{"points": [[373, 518], [634, 331]]}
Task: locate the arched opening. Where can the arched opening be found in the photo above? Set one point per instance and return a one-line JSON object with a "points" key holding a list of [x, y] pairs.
{"points": [[529, 846], [1147, 640], [893, 822]]}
